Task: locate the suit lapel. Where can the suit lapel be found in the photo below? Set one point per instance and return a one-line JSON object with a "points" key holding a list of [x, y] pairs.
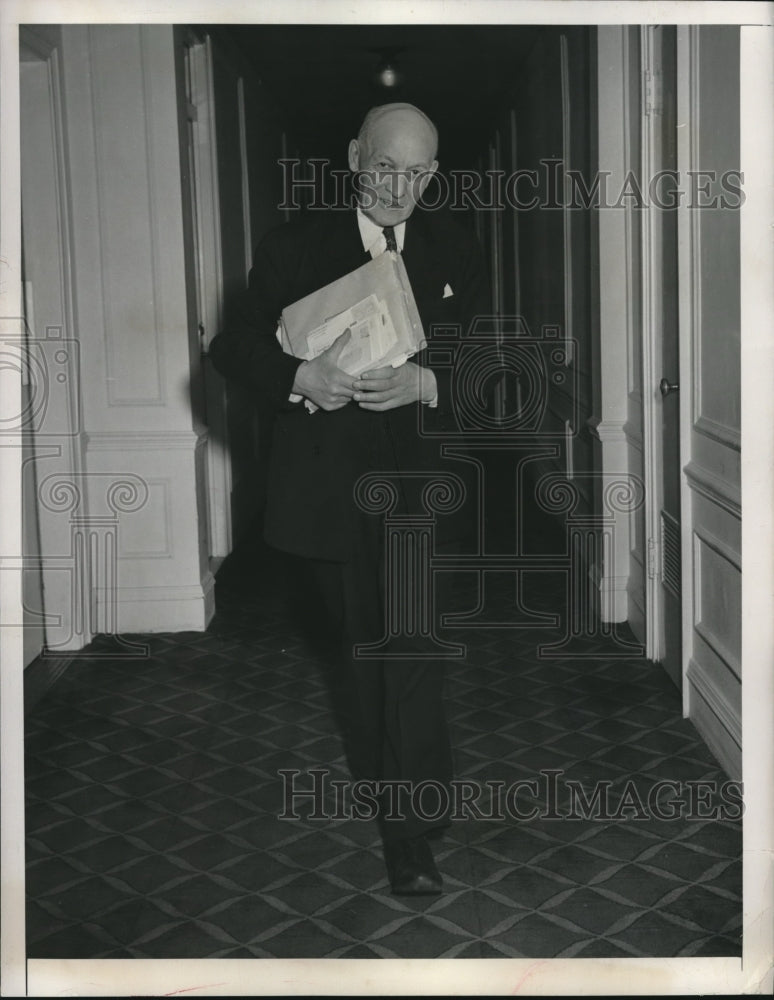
{"points": [[342, 249], [421, 257]]}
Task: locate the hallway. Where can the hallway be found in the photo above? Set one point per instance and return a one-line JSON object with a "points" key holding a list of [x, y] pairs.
{"points": [[153, 802]]}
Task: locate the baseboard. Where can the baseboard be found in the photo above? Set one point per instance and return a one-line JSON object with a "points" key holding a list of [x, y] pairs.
{"points": [[142, 609], [166, 609], [716, 720], [41, 675], [613, 596]]}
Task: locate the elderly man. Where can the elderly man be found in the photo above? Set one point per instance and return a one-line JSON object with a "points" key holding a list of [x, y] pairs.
{"points": [[387, 420]]}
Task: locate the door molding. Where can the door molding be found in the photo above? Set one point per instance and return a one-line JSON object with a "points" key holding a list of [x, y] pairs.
{"points": [[614, 424], [205, 207], [652, 293], [58, 445], [692, 477]]}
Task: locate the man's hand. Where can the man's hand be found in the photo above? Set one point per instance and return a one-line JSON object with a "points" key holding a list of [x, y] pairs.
{"points": [[386, 388], [321, 379]]}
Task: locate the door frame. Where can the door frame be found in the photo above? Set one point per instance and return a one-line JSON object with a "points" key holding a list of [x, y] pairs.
{"points": [[202, 148], [687, 40], [652, 291], [67, 612], [630, 260]]}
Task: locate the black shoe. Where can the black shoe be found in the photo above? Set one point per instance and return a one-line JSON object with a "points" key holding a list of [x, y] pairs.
{"points": [[411, 868]]}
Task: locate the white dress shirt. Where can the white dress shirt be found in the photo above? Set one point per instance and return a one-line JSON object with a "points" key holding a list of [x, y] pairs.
{"points": [[374, 240]]}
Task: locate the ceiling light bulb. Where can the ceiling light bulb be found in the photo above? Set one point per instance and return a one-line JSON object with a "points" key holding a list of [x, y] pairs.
{"points": [[387, 75]]}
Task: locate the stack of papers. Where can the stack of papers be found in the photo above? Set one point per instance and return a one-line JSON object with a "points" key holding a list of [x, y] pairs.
{"points": [[375, 303], [372, 335]]}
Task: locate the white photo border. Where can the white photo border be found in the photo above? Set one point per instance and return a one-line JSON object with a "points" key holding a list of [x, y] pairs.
{"points": [[252, 977]]}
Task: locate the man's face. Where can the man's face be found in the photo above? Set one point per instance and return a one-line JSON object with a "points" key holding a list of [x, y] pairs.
{"points": [[394, 167]]}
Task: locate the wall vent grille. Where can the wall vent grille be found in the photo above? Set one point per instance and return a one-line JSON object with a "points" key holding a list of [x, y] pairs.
{"points": [[670, 553]]}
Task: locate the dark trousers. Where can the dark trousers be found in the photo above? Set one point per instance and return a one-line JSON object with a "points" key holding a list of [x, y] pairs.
{"points": [[392, 707]]}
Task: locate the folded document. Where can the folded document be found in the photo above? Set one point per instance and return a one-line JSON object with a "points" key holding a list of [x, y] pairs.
{"points": [[375, 303]]}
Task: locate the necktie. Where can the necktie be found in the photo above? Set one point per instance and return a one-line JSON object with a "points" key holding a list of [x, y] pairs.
{"points": [[389, 235]]}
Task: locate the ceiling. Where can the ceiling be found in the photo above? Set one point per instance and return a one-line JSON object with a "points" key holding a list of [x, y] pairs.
{"points": [[321, 78]]}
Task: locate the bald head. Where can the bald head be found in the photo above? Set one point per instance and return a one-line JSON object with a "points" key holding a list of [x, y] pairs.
{"points": [[394, 157], [407, 115]]}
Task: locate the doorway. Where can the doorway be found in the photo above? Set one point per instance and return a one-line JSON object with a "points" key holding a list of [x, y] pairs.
{"points": [[205, 245], [661, 351]]}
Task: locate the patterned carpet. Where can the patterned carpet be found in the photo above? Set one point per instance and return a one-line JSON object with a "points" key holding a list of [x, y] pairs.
{"points": [[153, 824]]}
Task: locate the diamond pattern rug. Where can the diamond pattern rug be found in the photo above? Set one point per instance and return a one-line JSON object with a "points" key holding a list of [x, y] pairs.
{"points": [[154, 799]]}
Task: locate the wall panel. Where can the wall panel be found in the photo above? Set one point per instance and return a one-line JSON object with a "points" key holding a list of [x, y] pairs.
{"points": [[710, 275]]}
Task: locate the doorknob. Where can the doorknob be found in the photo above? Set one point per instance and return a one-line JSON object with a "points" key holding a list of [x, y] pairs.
{"points": [[666, 387]]}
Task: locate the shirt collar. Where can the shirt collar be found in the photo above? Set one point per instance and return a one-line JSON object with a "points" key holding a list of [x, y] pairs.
{"points": [[371, 234]]}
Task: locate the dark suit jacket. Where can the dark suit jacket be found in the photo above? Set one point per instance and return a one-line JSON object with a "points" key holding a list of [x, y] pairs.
{"points": [[317, 458]]}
